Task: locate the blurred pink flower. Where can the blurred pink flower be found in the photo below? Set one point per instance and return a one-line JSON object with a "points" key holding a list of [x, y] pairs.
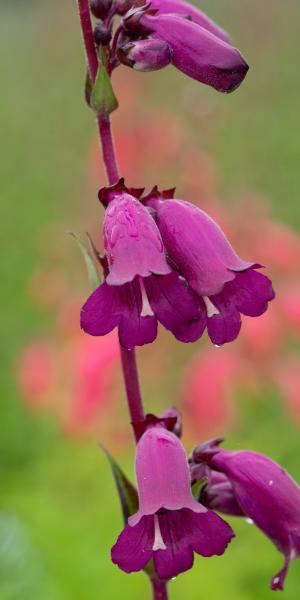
{"points": [[36, 373], [287, 376], [208, 390]]}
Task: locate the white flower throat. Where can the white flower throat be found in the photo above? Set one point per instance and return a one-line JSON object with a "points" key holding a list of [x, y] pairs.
{"points": [[158, 540], [211, 309], [146, 308]]}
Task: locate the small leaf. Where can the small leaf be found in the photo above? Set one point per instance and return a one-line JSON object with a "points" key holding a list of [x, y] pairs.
{"points": [[198, 486], [88, 88], [127, 492], [93, 274], [103, 100]]}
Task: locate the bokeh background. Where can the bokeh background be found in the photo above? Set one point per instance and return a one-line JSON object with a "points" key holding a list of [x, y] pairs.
{"points": [[61, 393]]}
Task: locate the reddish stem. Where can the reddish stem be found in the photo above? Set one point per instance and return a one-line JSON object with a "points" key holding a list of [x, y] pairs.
{"points": [[130, 372], [88, 37], [159, 589]]}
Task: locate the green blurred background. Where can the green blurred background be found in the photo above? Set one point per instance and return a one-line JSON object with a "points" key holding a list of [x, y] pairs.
{"points": [[59, 511]]}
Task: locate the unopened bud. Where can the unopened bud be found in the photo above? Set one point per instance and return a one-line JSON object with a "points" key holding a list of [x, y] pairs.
{"points": [[102, 35], [100, 8], [145, 55], [123, 6]]}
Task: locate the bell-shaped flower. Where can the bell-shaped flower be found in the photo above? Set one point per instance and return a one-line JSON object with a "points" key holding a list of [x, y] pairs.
{"points": [[266, 494], [226, 285], [169, 525], [189, 11], [194, 50], [140, 287]]}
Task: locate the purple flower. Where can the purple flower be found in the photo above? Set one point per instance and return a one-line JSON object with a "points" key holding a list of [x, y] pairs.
{"points": [[140, 287], [194, 49], [226, 285], [189, 11], [169, 525], [265, 493], [145, 55]]}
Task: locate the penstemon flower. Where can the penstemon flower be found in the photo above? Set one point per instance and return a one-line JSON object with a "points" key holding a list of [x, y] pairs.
{"points": [[169, 525], [226, 285], [261, 489], [197, 46], [140, 287]]}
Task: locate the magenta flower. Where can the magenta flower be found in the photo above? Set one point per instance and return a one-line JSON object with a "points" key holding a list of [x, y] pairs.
{"points": [[140, 287], [265, 492], [226, 285], [194, 49], [169, 525], [189, 11], [145, 55]]}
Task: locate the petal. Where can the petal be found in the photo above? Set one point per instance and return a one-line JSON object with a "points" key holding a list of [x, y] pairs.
{"points": [[178, 555], [132, 241], [277, 581], [184, 532], [185, 9], [197, 246], [250, 291], [135, 330], [133, 548], [102, 311], [211, 534], [162, 474], [225, 326], [199, 53], [176, 306]]}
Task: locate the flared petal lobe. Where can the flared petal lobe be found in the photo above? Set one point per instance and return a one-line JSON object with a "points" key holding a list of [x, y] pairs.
{"points": [[113, 306], [188, 11], [185, 532], [162, 475], [176, 306], [133, 548], [132, 241], [197, 52]]}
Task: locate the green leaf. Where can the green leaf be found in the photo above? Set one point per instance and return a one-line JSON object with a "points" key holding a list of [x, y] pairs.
{"points": [[103, 100], [198, 486], [93, 274], [127, 492]]}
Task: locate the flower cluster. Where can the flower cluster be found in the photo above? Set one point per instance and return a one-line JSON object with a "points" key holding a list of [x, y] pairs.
{"points": [[157, 33], [171, 524], [168, 261]]}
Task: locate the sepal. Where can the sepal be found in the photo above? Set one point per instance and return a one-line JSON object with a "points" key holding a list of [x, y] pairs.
{"points": [[103, 100], [106, 194]]}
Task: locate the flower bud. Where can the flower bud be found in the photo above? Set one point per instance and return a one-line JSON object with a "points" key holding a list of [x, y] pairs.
{"points": [[100, 8], [145, 55], [102, 35], [122, 6]]}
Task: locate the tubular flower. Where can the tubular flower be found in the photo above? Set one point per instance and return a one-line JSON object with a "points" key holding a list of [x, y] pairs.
{"points": [[226, 285], [169, 525], [140, 287], [195, 49], [265, 492]]}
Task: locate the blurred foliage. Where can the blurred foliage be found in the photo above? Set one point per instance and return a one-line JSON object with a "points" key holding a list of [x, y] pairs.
{"points": [[59, 511]]}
